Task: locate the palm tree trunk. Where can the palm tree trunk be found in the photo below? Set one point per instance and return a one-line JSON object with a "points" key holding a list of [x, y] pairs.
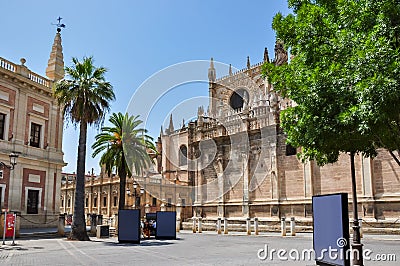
{"points": [[78, 231], [122, 183]]}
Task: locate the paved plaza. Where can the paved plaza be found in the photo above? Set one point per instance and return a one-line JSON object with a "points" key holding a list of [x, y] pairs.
{"points": [[189, 249]]}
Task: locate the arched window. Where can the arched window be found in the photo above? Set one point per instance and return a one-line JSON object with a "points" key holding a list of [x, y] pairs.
{"points": [[238, 98], [182, 155]]}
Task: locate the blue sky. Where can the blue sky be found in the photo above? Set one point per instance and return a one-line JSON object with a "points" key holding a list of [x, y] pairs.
{"points": [[134, 40]]}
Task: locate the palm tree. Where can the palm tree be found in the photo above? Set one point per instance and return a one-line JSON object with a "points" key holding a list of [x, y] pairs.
{"points": [[84, 96], [125, 148]]}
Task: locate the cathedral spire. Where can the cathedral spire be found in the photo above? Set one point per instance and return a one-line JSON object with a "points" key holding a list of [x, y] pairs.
{"points": [[248, 62], [55, 65], [211, 71], [230, 69]]}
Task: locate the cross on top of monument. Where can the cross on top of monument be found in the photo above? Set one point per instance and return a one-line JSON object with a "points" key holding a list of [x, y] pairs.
{"points": [[59, 24]]}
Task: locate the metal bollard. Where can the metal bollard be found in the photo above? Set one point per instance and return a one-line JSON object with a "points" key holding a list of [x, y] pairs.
{"points": [[225, 226], [219, 226], [93, 224], [256, 226], [360, 225], [292, 226], [194, 225], [283, 226], [100, 219], [200, 225], [248, 226], [178, 224], [61, 225]]}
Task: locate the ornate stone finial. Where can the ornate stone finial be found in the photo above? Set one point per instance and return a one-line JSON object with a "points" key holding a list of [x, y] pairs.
{"points": [[183, 122], [23, 61], [230, 69], [281, 56], [211, 71], [55, 65], [248, 62], [200, 111], [266, 56]]}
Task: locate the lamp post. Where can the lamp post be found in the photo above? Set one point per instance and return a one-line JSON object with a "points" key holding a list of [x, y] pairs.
{"points": [[135, 194], [13, 162]]}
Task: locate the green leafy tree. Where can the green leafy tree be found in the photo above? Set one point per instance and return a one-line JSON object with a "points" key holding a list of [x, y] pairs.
{"points": [[125, 147], [344, 78], [84, 96]]}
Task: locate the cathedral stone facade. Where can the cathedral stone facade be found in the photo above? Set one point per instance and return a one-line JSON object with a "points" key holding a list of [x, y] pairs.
{"points": [[235, 158]]}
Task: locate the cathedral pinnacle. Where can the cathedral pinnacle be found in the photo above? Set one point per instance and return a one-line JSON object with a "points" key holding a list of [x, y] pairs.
{"points": [[170, 128], [211, 71], [248, 62]]}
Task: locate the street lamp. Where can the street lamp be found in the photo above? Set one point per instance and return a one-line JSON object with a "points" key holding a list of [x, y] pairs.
{"points": [[135, 194], [13, 161]]}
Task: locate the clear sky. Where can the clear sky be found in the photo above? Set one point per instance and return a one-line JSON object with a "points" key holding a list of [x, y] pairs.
{"points": [[134, 40]]}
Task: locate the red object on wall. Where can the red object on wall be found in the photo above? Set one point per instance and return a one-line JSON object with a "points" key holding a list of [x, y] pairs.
{"points": [[10, 225]]}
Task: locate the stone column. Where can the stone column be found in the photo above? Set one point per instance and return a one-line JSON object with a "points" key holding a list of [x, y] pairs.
{"points": [[220, 177], [109, 202], [99, 201], [245, 204], [368, 186]]}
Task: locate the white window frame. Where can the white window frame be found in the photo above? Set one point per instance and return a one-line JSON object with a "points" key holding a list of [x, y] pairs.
{"points": [[26, 197], [6, 111], [3, 186], [42, 123]]}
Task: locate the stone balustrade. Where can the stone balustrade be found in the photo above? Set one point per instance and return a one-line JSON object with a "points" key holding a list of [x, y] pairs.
{"points": [[24, 71]]}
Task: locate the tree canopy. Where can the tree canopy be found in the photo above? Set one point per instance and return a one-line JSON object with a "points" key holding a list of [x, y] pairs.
{"points": [[343, 76], [124, 146]]}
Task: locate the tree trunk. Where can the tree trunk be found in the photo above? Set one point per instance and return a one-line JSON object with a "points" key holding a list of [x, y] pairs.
{"points": [[78, 231], [122, 183], [356, 245], [394, 157]]}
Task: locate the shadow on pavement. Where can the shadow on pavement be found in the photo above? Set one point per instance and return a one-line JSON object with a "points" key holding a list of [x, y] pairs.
{"points": [[142, 243]]}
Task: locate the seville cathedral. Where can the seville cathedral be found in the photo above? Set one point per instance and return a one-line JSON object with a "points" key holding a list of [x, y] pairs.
{"points": [[238, 165]]}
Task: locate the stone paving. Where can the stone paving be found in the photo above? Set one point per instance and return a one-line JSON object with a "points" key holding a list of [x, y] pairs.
{"points": [[189, 249]]}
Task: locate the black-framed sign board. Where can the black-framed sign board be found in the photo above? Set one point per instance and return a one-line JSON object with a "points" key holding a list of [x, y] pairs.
{"points": [[166, 225], [129, 226], [331, 229]]}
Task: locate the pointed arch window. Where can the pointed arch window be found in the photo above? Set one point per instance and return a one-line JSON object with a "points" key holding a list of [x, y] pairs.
{"points": [[183, 155]]}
